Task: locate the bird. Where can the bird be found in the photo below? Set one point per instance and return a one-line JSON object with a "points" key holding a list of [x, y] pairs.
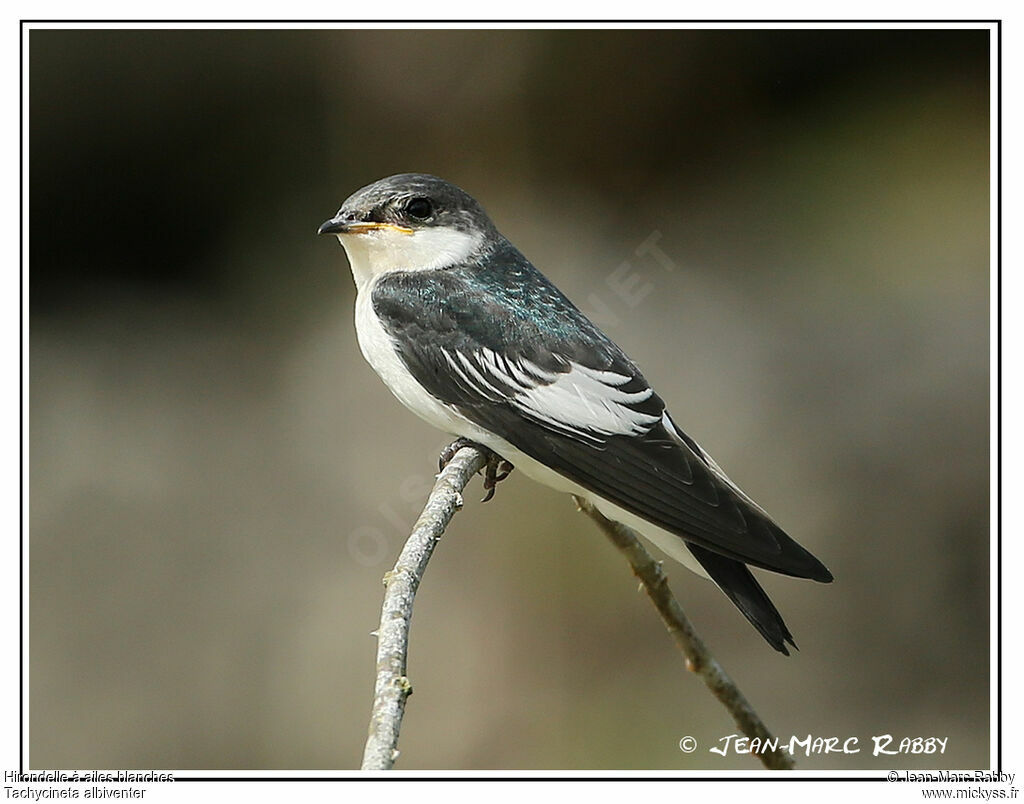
{"points": [[476, 341]]}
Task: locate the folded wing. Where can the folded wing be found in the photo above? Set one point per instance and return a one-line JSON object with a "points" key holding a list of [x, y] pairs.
{"points": [[564, 394]]}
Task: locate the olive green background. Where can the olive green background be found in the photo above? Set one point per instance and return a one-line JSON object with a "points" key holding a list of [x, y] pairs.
{"points": [[218, 481]]}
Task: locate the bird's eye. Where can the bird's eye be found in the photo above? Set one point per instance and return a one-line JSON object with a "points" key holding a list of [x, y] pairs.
{"points": [[419, 208]]}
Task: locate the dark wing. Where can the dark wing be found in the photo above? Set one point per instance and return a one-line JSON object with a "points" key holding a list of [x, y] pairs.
{"points": [[518, 359]]}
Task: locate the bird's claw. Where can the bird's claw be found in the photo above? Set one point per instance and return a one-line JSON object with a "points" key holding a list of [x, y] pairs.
{"points": [[495, 470]]}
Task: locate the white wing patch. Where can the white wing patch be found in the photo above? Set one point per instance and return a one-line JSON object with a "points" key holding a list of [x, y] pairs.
{"points": [[582, 401], [588, 400]]}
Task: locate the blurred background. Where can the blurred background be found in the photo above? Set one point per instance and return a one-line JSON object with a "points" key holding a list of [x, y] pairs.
{"points": [[788, 230]]}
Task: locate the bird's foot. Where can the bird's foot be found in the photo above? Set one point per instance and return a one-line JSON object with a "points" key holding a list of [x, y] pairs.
{"points": [[495, 470]]}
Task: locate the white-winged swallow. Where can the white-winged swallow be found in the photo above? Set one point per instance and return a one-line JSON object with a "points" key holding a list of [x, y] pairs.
{"points": [[472, 338]]}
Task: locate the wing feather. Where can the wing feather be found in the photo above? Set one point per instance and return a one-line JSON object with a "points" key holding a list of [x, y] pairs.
{"points": [[551, 384]]}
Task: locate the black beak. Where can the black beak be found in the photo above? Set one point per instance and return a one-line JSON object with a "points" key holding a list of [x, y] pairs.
{"points": [[336, 225]]}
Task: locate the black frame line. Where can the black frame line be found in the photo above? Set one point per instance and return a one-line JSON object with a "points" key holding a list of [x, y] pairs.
{"points": [[401, 776]]}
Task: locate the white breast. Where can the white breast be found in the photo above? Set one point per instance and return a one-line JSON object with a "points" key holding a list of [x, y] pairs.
{"points": [[379, 350]]}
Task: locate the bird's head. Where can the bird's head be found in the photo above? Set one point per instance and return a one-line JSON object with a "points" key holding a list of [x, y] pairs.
{"points": [[409, 222]]}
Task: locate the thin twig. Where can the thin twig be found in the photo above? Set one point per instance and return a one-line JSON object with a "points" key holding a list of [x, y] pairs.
{"points": [[392, 687], [698, 657]]}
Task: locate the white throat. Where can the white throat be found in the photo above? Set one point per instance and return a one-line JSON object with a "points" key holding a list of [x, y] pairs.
{"points": [[382, 250]]}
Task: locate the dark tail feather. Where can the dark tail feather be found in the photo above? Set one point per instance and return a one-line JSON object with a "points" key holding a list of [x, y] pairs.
{"points": [[739, 584]]}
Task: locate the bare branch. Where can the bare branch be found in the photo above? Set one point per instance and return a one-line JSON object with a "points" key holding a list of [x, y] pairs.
{"points": [[698, 657], [392, 687]]}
